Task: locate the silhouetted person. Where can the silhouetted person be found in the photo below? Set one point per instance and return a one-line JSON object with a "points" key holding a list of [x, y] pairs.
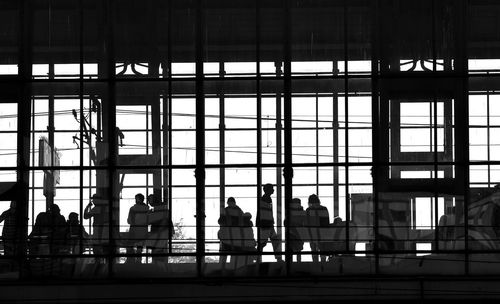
{"points": [[231, 218], [265, 221], [40, 235], [58, 230], [77, 236], [337, 221], [297, 220], [445, 234], [338, 243], [232, 215], [162, 228], [97, 209], [249, 238], [249, 242], [9, 230], [137, 219], [317, 216]]}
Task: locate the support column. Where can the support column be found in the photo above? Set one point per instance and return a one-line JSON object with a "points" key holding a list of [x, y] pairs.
{"points": [[200, 140], [23, 134], [287, 109]]}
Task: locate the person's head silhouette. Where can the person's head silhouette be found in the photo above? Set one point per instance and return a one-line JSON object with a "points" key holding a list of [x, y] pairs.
{"points": [[139, 198], [313, 200], [295, 203], [151, 200], [247, 219], [73, 218], [268, 189], [54, 209], [231, 202]]}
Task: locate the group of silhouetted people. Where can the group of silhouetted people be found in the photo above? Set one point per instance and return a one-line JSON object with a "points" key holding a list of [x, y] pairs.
{"points": [[236, 234], [140, 217], [52, 234], [240, 239], [151, 227]]}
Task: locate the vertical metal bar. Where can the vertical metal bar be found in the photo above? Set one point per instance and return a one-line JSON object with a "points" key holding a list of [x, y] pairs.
{"points": [[200, 139], [434, 114], [346, 125], [112, 136], [89, 190], [431, 129], [259, 118], [433, 27], [25, 66], [376, 130], [222, 144], [32, 131], [335, 128], [488, 136], [168, 108], [279, 155], [434, 122], [169, 162], [287, 109], [462, 59], [51, 131], [146, 127], [80, 93], [316, 114]]}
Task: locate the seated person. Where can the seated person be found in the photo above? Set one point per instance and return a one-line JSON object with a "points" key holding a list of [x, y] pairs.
{"points": [[297, 222], [248, 243], [58, 229], [39, 238], [77, 236]]}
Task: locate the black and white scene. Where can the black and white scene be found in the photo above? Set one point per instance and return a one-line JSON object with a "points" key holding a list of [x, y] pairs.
{"points": [[220, 151]]}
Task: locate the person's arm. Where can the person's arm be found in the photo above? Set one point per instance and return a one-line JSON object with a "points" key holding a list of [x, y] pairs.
{"points": [[326, 217], [4, 215], [257, 216], [129, 218], [85, 235], [86, 213], [222, 218]]}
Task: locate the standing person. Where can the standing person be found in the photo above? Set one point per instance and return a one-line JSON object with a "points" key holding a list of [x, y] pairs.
{"points": [[162, 228], [230, 221], [317, 216], [9, 230], [137, 219], [98, 210], [232, 215], [265, 221]]}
